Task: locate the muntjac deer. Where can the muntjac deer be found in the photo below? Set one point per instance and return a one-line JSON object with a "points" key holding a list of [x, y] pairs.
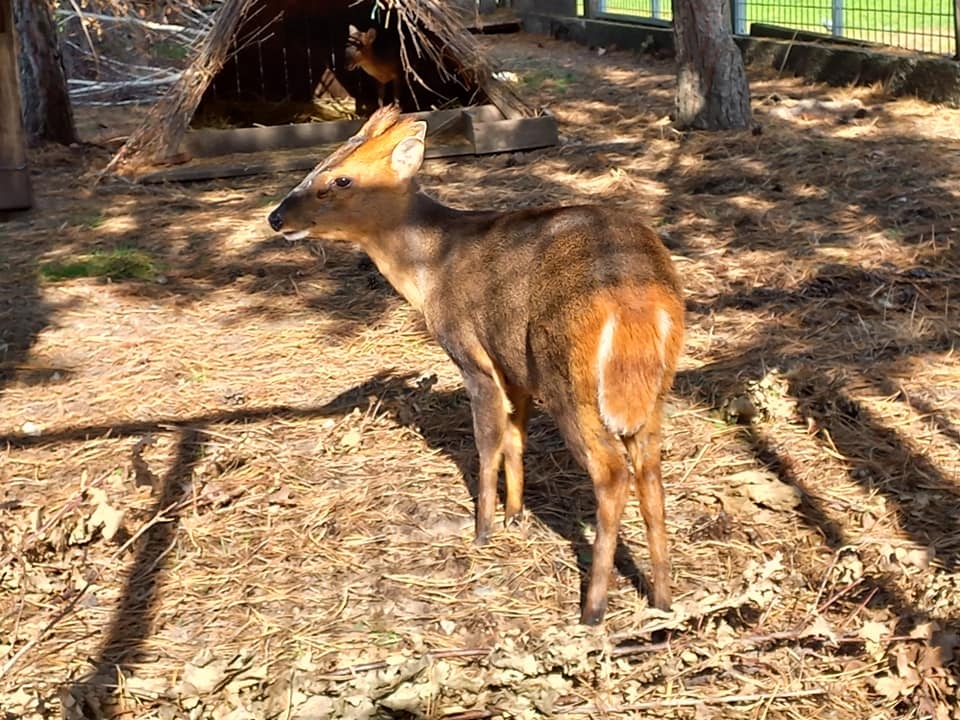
{"points": [[381, 61], [578, 306]]}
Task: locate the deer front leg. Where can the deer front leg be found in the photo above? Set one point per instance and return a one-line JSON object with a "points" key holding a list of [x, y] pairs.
{"points": [[515, 439], [491, 412]]}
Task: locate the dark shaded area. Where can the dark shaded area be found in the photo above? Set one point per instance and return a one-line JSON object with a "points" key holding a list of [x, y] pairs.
{"points": [[550, 475], [23, 315], [879, 458], [132, 621]]}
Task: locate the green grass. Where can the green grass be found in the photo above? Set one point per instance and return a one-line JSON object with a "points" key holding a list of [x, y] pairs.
{"points": [[118, 264], [893, 22], [168, 50], [89, 220], [637, 8], [559, 81], [895, 15]]}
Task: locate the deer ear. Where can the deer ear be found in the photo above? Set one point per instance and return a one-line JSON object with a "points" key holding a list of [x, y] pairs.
{"points": [[407, 156], [370, 35], [353, 30], [418, 129]]}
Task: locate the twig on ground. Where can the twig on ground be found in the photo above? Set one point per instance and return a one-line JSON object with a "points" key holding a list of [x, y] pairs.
{"points": [[693, 702]]}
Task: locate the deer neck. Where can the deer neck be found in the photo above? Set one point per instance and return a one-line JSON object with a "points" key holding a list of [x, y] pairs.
{"points": [[409, 248]]}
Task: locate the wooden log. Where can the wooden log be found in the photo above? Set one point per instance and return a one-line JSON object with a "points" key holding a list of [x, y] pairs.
{"points": [[15, 189]]}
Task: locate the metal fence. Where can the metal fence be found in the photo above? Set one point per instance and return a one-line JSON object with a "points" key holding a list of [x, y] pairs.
{"points": [[922, 25]]}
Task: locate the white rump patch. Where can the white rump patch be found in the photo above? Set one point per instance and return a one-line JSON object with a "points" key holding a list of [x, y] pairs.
{"points": [[664, 326], [604, 352]]}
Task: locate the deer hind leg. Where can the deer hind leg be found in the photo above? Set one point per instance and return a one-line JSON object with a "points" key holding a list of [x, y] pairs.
{"points": [[611, 483], [644, 449], [600, 453], [515, 440]]}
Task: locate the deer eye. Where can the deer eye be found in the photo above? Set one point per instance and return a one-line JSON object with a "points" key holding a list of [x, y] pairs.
{"points": [[343, 182]]}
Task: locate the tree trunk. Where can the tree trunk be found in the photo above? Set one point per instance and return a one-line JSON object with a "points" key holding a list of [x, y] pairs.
{"points": [[712, 90], [15, 191], [47, 114]]}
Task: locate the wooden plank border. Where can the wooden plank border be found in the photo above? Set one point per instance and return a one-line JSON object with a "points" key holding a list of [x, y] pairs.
{"points": [[476, 130]]}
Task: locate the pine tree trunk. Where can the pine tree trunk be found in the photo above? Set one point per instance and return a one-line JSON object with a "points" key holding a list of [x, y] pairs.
{"points": [[15, 190], [47, 114], [712, 90]]}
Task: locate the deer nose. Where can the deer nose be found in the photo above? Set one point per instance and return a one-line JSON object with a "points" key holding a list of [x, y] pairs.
{"points": [[276, 219]]}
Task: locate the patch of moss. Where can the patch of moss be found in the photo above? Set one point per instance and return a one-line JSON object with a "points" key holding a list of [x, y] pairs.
{"points": [[118, 264]]}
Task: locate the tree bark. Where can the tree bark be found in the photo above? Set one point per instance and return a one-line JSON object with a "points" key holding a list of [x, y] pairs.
{"points": [[15, 190], [47, 114], [712, 90]]}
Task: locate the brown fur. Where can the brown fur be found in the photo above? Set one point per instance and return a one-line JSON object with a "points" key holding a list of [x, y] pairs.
{"points": [[520, 302], [641, 356]]}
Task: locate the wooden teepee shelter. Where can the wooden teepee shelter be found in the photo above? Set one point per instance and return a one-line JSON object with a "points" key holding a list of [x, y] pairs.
{"points": [[259, 51]]}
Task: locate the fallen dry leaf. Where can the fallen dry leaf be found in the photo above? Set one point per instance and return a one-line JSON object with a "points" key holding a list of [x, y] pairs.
{"points": [[352, 439], [892, 687], [105, 517], [820, 627], [873, 632], [765, 489]]}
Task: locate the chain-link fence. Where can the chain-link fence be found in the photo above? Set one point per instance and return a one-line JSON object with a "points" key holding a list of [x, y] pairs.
{"points": [[646, 9], [922, 25]]}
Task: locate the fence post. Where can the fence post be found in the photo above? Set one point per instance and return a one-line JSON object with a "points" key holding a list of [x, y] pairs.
{"points": [[956, 29], [738, 16], [837, 19]]}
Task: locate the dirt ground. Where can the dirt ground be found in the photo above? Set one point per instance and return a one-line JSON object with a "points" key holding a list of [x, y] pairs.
{"points": [[242, 487]]}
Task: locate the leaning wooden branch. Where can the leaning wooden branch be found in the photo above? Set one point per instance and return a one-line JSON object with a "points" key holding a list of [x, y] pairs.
{"points": [[167, 122], [437, 34]]}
